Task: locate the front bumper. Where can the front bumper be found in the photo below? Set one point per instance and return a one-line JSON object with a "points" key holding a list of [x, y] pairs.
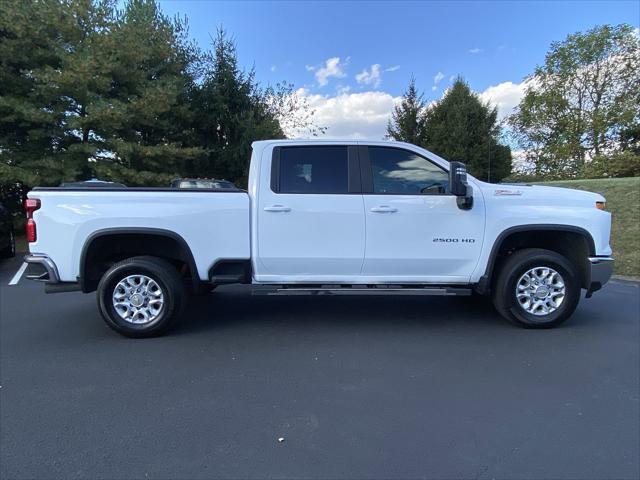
{"points": [[600, 273]]}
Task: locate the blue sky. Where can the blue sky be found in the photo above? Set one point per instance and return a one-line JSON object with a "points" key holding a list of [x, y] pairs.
{"points": [[494, 45]]}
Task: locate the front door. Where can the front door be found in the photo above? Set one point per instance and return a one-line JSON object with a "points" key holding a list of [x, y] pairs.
{"points": [[310, 215], [415, 232]]}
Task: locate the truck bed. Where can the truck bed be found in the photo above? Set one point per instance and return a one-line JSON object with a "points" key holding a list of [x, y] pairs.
{"points": [[214, 223]]}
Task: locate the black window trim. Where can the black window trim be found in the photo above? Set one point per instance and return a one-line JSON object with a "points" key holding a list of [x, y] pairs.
{"points": [[366, 172], [354, 169]]}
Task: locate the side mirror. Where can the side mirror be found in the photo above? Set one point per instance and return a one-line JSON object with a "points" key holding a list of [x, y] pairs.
{"points": [[459, 186]]}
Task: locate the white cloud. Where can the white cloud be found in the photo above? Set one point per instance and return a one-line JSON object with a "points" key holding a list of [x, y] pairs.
{"points": [[273, 68], [475, 50], [352, 115], [365, 114], [373, 76], [436, 80], [370, 77], [505, 96], [332, 68]]}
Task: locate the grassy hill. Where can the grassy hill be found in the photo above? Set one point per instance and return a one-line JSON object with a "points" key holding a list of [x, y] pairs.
{"points": [[623, 201]]}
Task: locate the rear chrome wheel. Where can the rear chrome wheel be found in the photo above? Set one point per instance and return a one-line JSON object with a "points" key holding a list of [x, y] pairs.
{"points": [[138, 299], [141, 296], [540, 291]]}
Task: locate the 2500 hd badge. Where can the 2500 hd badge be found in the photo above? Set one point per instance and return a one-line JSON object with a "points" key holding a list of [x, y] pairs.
{"points": [[454, 240]]}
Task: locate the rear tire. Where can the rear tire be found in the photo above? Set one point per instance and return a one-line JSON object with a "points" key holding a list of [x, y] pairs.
{"points": [[536, 288], [141, 296]]}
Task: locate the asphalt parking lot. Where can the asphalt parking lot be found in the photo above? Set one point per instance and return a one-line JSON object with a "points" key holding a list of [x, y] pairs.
{"points": [[386, 387]]}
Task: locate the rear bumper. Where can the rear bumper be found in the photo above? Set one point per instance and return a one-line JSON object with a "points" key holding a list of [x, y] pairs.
{"points": [[41, 268], [600, 273]]}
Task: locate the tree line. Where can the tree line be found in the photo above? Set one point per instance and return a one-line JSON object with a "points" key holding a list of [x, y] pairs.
{"points": [[579, 116], [88, 89], [457, 127]]}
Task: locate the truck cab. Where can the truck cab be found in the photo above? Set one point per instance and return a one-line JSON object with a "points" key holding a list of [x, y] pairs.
{"points": [[359, 213]]}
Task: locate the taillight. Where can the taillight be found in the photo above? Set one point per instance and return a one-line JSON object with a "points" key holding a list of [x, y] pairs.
{"points": [[30, 206], [600, 205]]}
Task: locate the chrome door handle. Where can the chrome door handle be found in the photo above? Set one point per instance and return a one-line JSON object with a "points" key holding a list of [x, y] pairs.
{"points": [[384, 209], [277, 208]]}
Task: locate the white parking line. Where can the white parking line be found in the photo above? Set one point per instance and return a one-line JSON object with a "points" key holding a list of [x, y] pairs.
{"points": [[16, 278]]}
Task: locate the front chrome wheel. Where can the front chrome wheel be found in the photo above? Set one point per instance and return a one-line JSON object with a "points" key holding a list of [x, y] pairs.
{"points": [[540, 291], [138, 299]]}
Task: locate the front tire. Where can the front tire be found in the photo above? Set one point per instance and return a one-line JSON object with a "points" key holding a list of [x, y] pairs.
{"points": [[141, 296], [537, 288]]}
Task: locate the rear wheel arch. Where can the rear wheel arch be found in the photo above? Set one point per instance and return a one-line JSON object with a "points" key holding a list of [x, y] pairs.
{"points": [[573, 242], [105, 247]]}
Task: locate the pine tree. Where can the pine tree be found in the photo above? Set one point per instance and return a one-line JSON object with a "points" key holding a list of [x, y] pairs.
{"points": [[461, 127], [87, 89], [144, 118], [231, 111], [408, 119], [35, 39]]}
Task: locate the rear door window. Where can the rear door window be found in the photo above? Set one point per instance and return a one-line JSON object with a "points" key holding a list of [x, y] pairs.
{"points": [[322, 169]]}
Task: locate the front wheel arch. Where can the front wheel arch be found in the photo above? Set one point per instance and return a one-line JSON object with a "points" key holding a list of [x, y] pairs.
{"points": [[574, 243]]}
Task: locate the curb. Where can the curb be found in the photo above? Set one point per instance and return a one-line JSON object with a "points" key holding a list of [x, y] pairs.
{"points": [[624, 278]]}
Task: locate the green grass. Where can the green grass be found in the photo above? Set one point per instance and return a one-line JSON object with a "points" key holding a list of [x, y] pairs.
{"points": [[623, 201]]}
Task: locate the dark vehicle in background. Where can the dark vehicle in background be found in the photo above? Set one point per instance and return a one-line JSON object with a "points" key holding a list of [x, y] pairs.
{"points": [[7, 235], [208, 183]]}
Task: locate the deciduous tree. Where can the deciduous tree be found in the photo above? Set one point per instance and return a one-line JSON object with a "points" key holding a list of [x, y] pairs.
{"points": [[582, 102]]}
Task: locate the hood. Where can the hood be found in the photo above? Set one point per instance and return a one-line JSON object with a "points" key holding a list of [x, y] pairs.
{"points": [[543, 193]]}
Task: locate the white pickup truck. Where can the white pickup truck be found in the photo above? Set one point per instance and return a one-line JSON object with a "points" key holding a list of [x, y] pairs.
{"points": [[323, 217]]}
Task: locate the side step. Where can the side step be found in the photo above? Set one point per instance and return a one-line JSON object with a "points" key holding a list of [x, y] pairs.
{"points": [[224, 279], [359, 290]]}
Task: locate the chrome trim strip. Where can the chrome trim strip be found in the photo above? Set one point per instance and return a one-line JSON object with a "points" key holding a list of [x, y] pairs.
{"points": [[595, 260]]}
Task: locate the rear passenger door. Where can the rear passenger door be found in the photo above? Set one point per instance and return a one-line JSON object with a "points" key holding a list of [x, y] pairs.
{"points": [[310, 215]]}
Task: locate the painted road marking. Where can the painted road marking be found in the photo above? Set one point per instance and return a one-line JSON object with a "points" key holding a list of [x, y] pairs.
{"points": [[16, 278]]}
